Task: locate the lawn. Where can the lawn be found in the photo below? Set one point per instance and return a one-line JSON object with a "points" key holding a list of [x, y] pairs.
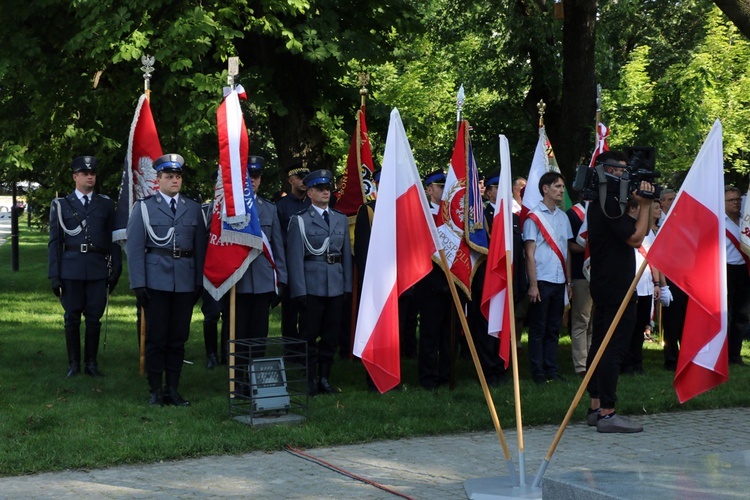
{"points": [[50, 423]]}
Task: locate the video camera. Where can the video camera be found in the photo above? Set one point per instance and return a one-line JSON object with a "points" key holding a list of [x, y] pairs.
{"points": [[595, 183]]}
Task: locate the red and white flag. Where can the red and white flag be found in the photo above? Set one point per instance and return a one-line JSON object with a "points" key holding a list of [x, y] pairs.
{"points": [[496, 295], [358, 186], [452, 217], [694, 231], [400, 254], [602, 143], [138, 174], [235, 237]]}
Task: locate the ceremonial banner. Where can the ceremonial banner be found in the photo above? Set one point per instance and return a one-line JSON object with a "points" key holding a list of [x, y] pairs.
{"points": [[358, 186], [602, 143], [539, 167], [235, 238], [552, 166], [138, 174], [495, 295], [694, 230], [401, 245], [457, 209]]}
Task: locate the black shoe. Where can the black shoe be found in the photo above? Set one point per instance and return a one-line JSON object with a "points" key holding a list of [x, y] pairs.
{"points": [[325, 387], [73, 370], [92, 370], [172, 397], [156, 398], [211, 361], [555, 378]]}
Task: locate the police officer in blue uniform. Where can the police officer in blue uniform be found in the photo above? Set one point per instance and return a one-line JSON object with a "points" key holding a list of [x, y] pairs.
{"points": [[84, 264], [262, 284], [319, 263], [166, 249], [286, 207]]}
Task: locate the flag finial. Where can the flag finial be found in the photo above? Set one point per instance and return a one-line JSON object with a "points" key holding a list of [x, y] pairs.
{"points": [[541, 106], [364, 80], [147, 68], [233, 69]]}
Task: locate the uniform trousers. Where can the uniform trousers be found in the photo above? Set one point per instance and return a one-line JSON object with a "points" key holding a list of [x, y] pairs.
{"points": [[168, 316], [603, 383], [434, 357], [320, 318], [252, 311], [87, 297], [673, 317]]}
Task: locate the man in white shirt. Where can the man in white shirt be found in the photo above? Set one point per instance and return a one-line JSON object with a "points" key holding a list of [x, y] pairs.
{"points": [[738, 276]]}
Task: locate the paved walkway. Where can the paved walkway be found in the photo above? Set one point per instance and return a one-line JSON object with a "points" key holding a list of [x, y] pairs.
{"points": [[437, 467]]}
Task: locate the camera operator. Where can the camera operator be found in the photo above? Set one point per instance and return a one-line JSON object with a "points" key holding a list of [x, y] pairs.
{"points": [[612, 237]]}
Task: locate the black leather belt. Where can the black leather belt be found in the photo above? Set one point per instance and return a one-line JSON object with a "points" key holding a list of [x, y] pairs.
{"points": [[175, 253], [328, 258], [86, 248]]}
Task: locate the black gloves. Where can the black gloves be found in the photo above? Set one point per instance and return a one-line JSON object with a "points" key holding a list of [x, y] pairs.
{"points": [[142, 296], [281, 290], [57, 286], [112, 283], [197, 294]]}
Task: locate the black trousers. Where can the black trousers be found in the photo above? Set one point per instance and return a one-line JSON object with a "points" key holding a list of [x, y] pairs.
{"points": [[320, 323], [738, 308], [84, 297], [603, 383], [168, 316], [673, 318], [252, 311], [434, 358], [633, 361]]}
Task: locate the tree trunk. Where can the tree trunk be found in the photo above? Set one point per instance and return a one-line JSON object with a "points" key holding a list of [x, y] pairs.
{"points": [[575, 132], [738, 11]]}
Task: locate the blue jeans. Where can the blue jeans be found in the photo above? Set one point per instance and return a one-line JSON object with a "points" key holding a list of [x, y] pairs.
{"points": [[544, 319]]}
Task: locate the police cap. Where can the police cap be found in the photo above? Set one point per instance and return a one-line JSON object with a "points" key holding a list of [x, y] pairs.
{"points": [[297, 169], [318, 178], [255, 164], [171, 163], [436, 177], [84, 164]]}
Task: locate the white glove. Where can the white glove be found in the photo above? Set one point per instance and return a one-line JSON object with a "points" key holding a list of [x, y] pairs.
{"points": [[666, 296]]}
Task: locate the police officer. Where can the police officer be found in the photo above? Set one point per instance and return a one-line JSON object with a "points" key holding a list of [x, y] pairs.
{"points": [[286, 207], [166, 249], [319, 263], [262, 284], [84, 264]]}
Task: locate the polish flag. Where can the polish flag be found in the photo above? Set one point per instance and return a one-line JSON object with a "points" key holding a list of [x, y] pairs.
{"points": [[496, 295], [400, 254], [694, 231]]}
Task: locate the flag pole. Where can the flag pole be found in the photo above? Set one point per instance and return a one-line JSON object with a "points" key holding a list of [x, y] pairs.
{"points": [[589, 374], [477, 366], [233, 65], [147, 68], [460, 99]]}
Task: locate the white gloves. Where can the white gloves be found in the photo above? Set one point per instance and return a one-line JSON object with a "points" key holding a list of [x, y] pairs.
{"points": [[666, 296]]}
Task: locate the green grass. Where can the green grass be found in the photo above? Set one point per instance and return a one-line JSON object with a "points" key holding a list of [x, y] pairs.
{"points": [[48, 422]]}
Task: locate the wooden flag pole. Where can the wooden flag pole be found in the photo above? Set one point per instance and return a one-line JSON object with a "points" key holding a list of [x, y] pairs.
{"points": [[142, 343], [589, 374], [233, 65], [478, 367], [514, 368]]}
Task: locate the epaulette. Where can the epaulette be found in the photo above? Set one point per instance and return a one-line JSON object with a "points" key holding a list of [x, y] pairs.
{"points": [[334, 210], [104, 196], [146, 198]]}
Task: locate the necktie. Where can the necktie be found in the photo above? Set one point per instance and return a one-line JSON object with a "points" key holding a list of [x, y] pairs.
{"points": [[325, 216], [86, 202], [173, 206]]}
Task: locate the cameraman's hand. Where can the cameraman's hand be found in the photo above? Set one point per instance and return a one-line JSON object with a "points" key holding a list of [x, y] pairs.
{"points": [[644, 187]]}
